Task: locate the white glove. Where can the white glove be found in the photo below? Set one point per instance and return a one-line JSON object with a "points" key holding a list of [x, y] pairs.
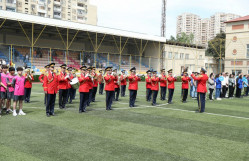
{"points": [[189, 72], [174, 76], [66, 77], [87, 75]]}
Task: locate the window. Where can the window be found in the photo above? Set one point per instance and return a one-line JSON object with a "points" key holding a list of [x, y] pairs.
{"points": [[247, 53], [176, 56], [200, 57], [182, 56], [187, 56], [170, 55], [236, 71]]}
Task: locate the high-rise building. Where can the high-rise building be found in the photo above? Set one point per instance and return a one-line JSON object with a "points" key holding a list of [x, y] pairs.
{"points": [[217, 22], [203, 29], [73, 10], [189, 23]]}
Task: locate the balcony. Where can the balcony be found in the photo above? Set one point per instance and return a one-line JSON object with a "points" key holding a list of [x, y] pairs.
{"points": [[57, 16], [57, 3], [41, 10], [58, 9]]}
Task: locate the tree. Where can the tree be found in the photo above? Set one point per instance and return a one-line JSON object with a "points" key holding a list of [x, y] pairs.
{"points": [[183, 38], [216, 46]]}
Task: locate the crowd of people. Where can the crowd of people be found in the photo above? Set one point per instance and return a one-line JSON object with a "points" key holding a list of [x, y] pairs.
{"points": [[18, 87]]}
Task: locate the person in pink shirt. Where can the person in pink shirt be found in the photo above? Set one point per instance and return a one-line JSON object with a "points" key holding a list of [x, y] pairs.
{"points": [[3, 87], [10, 89], [18, 84]]}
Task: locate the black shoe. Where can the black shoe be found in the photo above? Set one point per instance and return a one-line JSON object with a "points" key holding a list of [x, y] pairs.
{"points": [[184, 101], [70, 102], [110, 109], [84, 111], [80, 111], [7, 112], [153, 104], [170, 103], [52, 114], [48, 115], [130, 106], [60, 107]]}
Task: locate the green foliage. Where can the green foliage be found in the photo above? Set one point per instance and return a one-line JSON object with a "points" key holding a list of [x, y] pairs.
{"points": [[183, 38], [216, 46]]}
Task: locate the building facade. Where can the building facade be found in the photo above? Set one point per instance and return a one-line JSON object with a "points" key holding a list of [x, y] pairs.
{"points": [[237, 45], [72, 10], [203, 29]]}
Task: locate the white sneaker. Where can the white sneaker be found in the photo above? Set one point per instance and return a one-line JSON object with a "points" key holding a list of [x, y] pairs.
{"points": [[21, 113], [14, 113], [219, 99]]}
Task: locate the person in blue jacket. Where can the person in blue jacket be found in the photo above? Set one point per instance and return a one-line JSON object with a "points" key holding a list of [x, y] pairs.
{"points": [[239, 86], [245, 85], [218, 86]]}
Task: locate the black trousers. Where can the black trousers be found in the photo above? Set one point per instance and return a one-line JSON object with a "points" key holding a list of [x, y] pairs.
{"points": [[123, 89], [224, 91], [45, 98], [50, 103], [238, 92], [89, 97], [70, 94], [73, 93], [163, 93], [155, 93], [133, 96], [184, 94], [211, 91], [148, 94], [101, 88], [109, 97], [231, 91], [171, 93], [83, 101], [94, 93], [116, 95], [201, 101], [63, 97], [27, 93]]}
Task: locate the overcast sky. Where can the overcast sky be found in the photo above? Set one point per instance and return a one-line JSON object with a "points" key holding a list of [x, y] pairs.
{"points": [[144, 16]]}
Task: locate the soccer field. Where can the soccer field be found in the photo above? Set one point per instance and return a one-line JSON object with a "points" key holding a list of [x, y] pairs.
{"points": [[166, 132]]}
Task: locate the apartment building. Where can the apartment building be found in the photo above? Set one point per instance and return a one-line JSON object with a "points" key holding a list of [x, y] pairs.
{"points": [[72, 10], [203, 29], [189, 23]]}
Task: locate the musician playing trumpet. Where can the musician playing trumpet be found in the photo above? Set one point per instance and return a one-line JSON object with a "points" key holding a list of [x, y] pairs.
{"points": [[185, 86], [83, 89], [154, 87], [90, 84], [28, 84], [123, 80], [63, 81], [133, 86], [95, 83], [116, 85], [71, 91], [109, 87], [101, 82], [163, 84], [148, 86], [171, 85]]}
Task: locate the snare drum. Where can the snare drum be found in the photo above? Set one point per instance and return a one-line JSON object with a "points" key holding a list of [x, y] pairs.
{"points": [[75, 83]]}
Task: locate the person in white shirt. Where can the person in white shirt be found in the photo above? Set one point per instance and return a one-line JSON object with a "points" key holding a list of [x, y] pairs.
{"points": [[224, 84]]}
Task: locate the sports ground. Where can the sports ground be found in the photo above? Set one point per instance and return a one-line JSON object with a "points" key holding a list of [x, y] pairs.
{"points": [[165, 132]]}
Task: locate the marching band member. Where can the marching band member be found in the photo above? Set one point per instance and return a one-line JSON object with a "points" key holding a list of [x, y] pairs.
{"points": [[51, 86], [70, 91], [101, 82], [18, 84], [133, 86], [116, 86], [163, 84], [95, 83], [90, 84], [83, 89], [28, 84], [63, 86], [41, 78], [185, 86], [171, 85], [109, 87], [154, 87], [10, 90], [201, 89], [123, 79], [148, 86]]}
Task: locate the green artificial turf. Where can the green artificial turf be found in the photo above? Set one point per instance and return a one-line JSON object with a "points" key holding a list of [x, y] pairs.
{"points": [[166, 132]]}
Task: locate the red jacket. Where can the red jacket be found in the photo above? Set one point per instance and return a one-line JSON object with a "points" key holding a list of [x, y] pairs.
{"points": [[133, 82], [95, 79], [185, 82], [71, 77], [83, 83], [51, 83], [163, 81], [41, 77], [116, 85], [148, 82], [155, 83], [123, 81], [28, 83], [90, 83], [62, 81], [171, 82], [109, 82], [201, 85]]}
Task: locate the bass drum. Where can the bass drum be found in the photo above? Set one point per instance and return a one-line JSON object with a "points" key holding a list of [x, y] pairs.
{"points": [[75, 83]]}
